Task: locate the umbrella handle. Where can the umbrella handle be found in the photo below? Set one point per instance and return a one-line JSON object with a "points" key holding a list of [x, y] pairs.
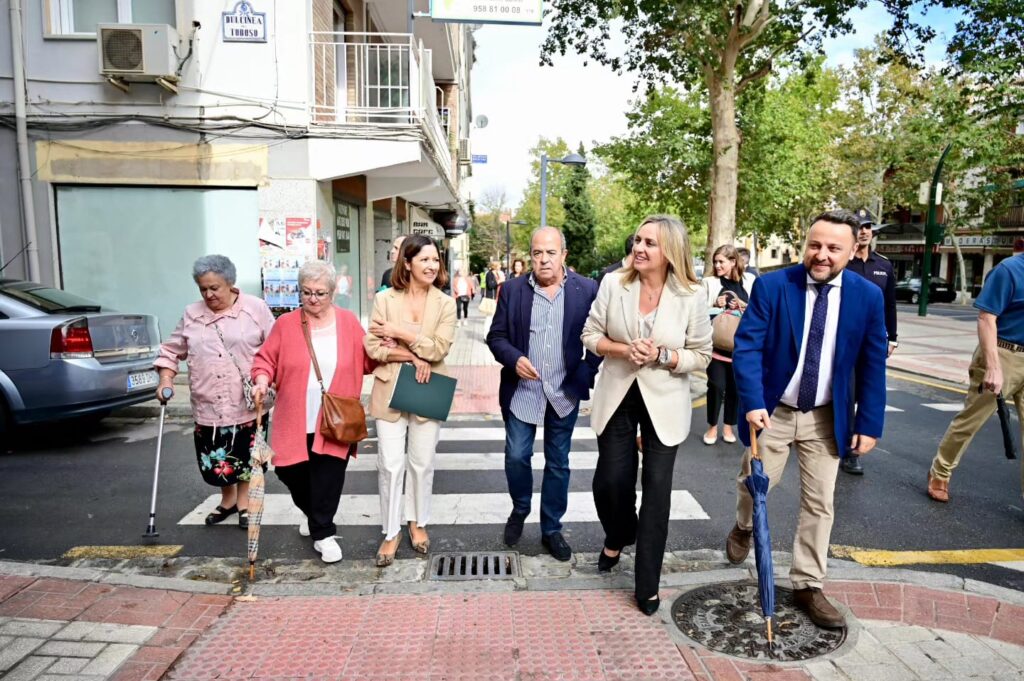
{"points": [[753, 442], [259, 411]]}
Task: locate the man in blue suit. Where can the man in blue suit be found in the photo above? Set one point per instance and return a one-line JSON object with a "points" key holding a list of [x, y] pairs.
{"points": [[535, 336], [806, 333]]}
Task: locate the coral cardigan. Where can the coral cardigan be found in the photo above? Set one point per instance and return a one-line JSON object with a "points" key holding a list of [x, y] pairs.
{"points": [[284, 359]]}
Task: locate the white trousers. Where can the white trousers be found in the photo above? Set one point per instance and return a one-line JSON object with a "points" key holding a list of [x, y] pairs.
{"points": [[394, 460]]}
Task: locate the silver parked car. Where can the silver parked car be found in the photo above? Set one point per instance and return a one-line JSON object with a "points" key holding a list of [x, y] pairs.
{"points": [[62, 356]]}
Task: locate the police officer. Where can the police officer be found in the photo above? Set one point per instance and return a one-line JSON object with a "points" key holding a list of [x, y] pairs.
{"points": [[877, 268]]}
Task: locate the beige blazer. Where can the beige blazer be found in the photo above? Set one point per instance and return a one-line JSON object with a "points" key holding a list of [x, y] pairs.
{"points": [[436, 336], [682, 324]]}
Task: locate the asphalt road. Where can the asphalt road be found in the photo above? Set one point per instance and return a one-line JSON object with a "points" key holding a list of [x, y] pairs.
{"points": [[964, 312], [75, 485]]}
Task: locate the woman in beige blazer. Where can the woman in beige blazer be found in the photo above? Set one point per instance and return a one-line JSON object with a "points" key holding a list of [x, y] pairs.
{"points": [[412, 322], [650, 323]]}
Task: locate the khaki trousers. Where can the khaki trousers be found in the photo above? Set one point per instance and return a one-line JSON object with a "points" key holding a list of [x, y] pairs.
{"points": [[813, 434], [978, 408]]}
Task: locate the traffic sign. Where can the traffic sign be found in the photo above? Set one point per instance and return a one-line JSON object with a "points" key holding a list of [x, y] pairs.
{"points": [[479, 158]]}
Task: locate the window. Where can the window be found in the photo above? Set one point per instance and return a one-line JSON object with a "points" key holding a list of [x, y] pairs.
{"points": [[79, 17]]}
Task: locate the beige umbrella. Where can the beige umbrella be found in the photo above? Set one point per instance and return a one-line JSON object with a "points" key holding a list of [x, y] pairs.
{"points": [[261, 455]]}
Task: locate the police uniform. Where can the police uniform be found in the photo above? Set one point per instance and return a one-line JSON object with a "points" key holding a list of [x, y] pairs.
{"points": [[878, 268]]}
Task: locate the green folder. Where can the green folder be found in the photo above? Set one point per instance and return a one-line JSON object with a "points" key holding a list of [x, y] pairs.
{"points": [[432, 400]]}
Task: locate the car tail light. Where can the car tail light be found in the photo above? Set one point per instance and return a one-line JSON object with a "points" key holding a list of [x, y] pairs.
{"points": [[71, 341]]}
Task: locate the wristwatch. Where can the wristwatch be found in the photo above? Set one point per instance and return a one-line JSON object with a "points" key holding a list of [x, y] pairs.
{"points": [[664, 356]]}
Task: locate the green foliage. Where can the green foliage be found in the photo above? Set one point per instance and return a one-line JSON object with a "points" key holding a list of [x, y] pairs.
{"points": [[580, 222]]}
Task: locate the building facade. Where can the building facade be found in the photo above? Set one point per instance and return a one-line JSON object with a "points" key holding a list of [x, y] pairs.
{"points": [[270, 132]]}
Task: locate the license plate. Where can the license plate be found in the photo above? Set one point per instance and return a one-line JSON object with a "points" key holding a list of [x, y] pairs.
{"points": [[142, 379], [940, 288]]}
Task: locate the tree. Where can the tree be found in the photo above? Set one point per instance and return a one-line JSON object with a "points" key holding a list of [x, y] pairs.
{"points": [[718, 47], [487, 237], [580, 224]]}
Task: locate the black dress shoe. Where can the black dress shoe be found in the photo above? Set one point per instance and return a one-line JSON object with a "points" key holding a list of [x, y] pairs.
{"points": [[557, 546], [852, 464], [514, 528], [220, 514], [605, 563], [648, 606], [243, 519]]}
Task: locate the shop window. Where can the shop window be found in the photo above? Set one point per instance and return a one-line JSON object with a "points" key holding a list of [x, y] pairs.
{"points": [[78, 18], [775, 253]]}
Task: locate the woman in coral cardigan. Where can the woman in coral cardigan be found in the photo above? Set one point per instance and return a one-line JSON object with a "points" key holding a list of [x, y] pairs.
{"points": [[312, 468]]}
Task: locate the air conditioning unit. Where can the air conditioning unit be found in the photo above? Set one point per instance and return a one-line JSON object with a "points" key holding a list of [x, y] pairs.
{"points": [[465, 157], [138, 52]]}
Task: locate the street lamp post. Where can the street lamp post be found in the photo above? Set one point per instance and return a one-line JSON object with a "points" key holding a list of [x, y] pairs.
{"points": [[508, 243], [931, 234], [569, 160]]}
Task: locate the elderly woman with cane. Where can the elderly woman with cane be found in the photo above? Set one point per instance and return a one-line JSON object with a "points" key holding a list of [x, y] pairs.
{"points": [[218, 338], [318, 341]]}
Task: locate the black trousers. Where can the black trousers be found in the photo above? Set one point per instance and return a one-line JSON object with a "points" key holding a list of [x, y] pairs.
{"points": [[462, 307], [615, 489], [315, 486], [722, 388]]}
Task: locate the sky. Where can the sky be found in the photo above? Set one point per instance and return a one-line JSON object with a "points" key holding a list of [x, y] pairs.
{"points": [[524, 101]]}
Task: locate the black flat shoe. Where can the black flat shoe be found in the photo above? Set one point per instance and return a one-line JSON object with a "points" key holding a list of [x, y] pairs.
{"points": [[648, 606], [221, 514], [605, 563], [243, 518]]}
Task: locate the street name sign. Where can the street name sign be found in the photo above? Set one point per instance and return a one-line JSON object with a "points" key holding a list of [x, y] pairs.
{"points": [[479, 158]]}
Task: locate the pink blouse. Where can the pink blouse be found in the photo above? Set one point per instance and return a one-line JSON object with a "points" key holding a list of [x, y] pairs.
{"points": [[213, 378]]}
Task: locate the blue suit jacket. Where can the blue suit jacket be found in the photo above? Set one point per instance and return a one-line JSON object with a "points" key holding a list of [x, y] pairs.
{"points": [[509, 337], [768, 347]]}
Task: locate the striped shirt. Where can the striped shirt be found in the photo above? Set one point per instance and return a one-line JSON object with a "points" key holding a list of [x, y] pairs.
{"points": [[531, 398]]}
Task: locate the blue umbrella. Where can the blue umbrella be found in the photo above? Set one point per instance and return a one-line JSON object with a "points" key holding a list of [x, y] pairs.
{"points": [[757, 485]]}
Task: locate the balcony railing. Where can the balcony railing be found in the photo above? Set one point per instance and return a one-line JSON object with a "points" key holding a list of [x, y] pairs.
{"points": [[381, 79], [1013, 219]]}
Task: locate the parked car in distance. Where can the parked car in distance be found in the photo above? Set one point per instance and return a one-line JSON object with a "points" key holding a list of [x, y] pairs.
{"points": [[940, 291], [64, 356]]}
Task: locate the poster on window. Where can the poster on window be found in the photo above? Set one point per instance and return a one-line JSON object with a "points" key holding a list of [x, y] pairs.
{"points": [[343, 227], [299, 234], [286, 243]]}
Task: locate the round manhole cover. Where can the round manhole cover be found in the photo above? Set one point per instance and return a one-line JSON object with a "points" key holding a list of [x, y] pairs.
{"points": [[727, 618]]}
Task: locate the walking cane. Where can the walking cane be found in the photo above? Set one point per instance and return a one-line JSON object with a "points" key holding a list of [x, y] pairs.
{"points": [[165, 395]]}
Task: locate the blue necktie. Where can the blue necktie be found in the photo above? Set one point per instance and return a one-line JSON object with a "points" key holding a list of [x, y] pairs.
{"points": [[812, 359]]}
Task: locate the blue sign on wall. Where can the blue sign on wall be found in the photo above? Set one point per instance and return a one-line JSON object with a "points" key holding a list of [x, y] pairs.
{"points": [[479, 158]]}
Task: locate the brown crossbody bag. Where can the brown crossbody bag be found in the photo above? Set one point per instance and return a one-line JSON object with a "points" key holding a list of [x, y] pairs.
{"points": [[342, 419]]}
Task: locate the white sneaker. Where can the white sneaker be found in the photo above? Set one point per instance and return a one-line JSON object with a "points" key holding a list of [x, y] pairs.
{"points": [[328, 549], [304, 528]]}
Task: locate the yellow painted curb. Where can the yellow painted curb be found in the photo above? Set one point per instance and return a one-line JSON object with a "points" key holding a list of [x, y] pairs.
{"points": [[930, 384], [880, 558], [122, 552]]}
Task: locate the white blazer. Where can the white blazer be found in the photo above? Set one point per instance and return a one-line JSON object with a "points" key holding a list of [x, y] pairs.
{"points": [[712, 286], [682, 324]]}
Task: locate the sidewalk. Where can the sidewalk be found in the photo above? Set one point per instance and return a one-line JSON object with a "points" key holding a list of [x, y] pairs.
{"points": [[935, 346], [92, 625]]}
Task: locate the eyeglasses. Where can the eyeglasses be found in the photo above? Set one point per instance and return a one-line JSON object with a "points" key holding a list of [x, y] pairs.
{"points": [[866, 226], [315, 294]]}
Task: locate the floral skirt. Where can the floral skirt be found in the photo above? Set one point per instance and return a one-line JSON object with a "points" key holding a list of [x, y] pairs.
{"points": [[223, 452]]}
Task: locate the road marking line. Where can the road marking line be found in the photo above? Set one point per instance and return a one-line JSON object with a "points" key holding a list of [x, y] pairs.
{"points": [[498, 433], [1017, 565], [893, 409], [944, 406], [880, 558], [446, 509], [490, 461], [122, 552], [912, 379]]}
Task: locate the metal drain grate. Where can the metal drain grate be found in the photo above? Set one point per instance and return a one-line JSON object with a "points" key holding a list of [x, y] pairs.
{"points": [[462, 566]]}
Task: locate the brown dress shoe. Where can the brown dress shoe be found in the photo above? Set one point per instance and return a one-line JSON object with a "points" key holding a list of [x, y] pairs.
{"points": [[938, 489], [737, 545], [817, 607]]}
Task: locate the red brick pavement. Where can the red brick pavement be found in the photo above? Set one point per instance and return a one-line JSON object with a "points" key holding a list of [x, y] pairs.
{"points": [[181, 617], [477, 391]]}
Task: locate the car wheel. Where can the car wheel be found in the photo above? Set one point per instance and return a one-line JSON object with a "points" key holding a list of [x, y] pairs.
{"points": [[914, 298]]}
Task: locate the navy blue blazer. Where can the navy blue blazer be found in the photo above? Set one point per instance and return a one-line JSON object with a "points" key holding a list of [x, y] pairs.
{"points": [[509, 337], [768, 348]]}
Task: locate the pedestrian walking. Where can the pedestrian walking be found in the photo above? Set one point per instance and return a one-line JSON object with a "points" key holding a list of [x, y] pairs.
{"points": [[748, 269], [218, 338], [463, 290], [996, 368], [727, 292], [396, 247], [412, 322], [876, 268], [535, 336], [795, 382], [311, 466], [650, 323], [492, 280], [518, 268]]}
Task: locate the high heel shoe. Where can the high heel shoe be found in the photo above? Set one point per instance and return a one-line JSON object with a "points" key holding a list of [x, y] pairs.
{"points": [[386, 559], [605, 563], [649, 606], [419, 546]]}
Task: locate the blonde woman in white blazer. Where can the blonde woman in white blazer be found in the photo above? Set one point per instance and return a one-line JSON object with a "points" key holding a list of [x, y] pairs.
{"points": [[650, 323]]}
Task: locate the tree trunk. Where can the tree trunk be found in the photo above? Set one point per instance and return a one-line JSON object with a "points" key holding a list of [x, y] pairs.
{"points": [[964, 297], [725, 165]]}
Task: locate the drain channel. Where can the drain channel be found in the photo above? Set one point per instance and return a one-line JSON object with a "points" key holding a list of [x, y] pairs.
{"points": [[727, 618], [463, 566]]}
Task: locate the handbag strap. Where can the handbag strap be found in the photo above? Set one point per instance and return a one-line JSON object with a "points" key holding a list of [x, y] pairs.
{"points": [[241, 374], [312, 353]]}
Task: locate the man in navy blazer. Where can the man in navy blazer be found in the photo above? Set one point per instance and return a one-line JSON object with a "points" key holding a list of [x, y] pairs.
{"points": [[535, 335], [811, 343]]}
